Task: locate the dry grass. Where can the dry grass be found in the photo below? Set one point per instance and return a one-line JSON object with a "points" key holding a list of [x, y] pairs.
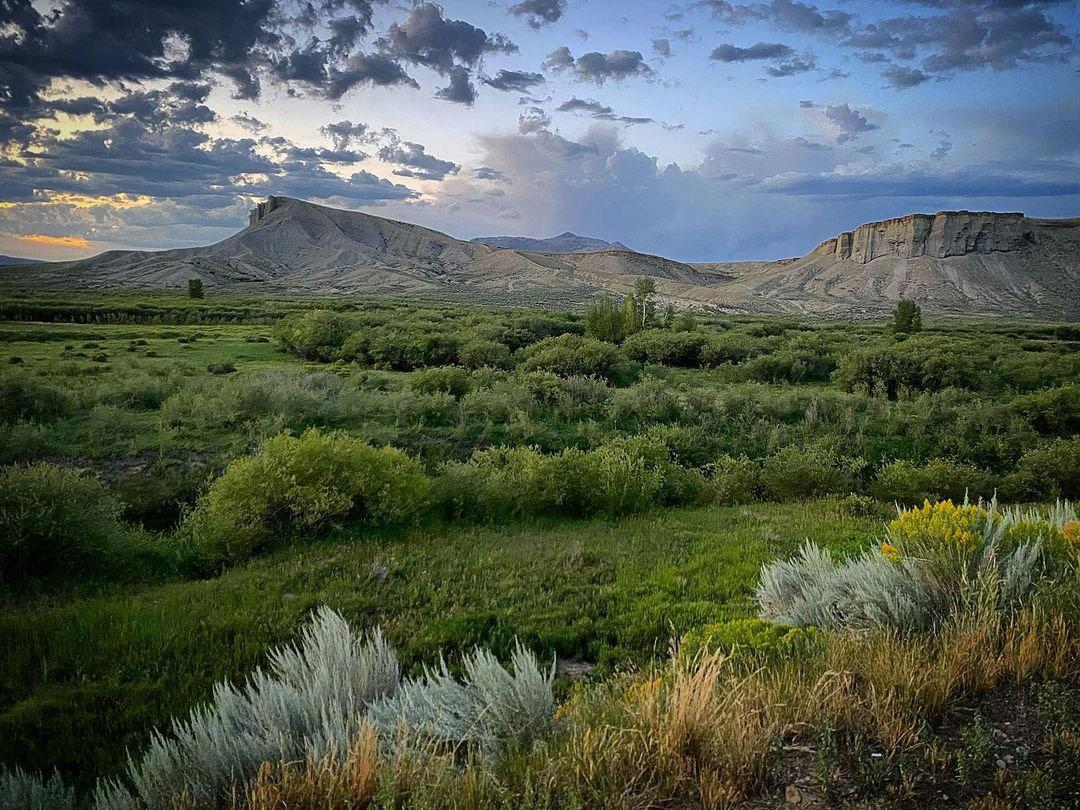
{"points": [[704, 732]]}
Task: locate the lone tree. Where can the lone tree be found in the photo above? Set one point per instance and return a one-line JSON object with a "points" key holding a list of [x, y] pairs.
{"points": [[907, 317], [604, 320], [644, 304], [194, 288]]}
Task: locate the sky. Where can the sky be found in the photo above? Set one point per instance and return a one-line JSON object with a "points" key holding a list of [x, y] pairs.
{"points": [[702, 131]]}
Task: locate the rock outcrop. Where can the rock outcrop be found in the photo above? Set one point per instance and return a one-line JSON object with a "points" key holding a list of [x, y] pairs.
{"points": [[940, 235]]}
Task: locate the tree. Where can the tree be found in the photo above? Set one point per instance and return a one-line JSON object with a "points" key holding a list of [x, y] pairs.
{"points": [[195, 288], [644, 305], [604, 320], [907, 317]]}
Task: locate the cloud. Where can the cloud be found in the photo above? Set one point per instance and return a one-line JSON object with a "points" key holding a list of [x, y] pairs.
{"points": [[538, 13], [791, 67], [662, 47], [763, 50], [426, 37], [80, 242], [599, 67], [460, 90], [901, 77], [488, 173], [850, 123], [342, 133], [576, 104], [514, 80], [369, 69]]}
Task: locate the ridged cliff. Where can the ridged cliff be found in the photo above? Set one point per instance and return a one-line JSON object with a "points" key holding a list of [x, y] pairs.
{"points": [[940, 235]]}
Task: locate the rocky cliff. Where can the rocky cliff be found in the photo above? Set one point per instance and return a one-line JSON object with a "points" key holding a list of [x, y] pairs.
{"points": [[940, 235]]}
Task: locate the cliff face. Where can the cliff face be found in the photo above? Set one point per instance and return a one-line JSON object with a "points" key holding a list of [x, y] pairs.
{"points": [[947, 233], [262, 209]]}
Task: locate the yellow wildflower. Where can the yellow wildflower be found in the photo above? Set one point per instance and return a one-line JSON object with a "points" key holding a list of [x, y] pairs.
{"points": [[940, 525], [889, 551]]}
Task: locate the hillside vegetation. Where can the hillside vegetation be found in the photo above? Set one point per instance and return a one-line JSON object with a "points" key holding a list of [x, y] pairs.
{"points": [[621, 558]]}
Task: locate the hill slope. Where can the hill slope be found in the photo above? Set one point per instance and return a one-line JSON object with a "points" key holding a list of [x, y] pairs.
{"points": [[563, 243], [14, 260], [955, 262]]}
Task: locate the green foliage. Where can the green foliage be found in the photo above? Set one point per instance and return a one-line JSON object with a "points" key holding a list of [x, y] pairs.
{"points": [[625, 475], [605, 320], [908, 483], [976, 748], [23, 396], [482, 353], [445, 379], [316, 335], [685, 349], [571, 355], [1052, 468], [303, 484], [54, 520], [810, 471], [751, 638], [733, 480], [195, 288], [907, 317]]}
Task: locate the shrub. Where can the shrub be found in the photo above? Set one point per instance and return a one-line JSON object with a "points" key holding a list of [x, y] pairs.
{"points": [[310, 703], [492, 709], [221, 368], [22, 791], [443, 379], [53, 518], [730, 480], [938, 561], [809, 471], [571, 355], [195, 288], [670, 348], [316, 335], [23, 397], [1050, 469], [908, 483], [790, 367], [484, 353], [303, 484]]}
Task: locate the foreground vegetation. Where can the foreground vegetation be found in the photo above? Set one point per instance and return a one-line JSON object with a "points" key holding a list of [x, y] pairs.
{"points": [[185, 481]]}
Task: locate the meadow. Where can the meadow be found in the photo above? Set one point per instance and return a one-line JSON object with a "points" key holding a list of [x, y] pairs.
{"points": [[186, 482]]}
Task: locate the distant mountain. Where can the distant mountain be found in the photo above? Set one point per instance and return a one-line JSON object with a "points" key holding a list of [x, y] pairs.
{"points": [[9, 260], [952, 262], [563, 243]]}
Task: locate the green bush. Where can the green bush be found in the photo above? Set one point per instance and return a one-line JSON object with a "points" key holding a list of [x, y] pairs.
{"points": [[316, 335], [23, 397], [667, 347], [484, 353], [624, 475], [1051, 470], [731, 481], [752, 638], [908, 483], [571, 355], [53, 519], [809, 471], [442, 379], [304, 484]]}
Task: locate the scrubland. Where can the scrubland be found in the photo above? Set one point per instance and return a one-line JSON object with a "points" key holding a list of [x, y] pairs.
{"points": [[405, 555]]}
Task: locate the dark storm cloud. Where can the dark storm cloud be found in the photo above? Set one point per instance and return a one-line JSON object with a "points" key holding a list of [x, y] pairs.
{"points": [[427, 38], [460, 90], [851, 122], [416, 162], [514, 80], [370, 69], [102, 40], [763, 50], [599, 67], [538, 13]]}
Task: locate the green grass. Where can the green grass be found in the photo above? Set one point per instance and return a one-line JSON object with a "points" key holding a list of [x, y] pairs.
{"points": [[83, 679]]}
